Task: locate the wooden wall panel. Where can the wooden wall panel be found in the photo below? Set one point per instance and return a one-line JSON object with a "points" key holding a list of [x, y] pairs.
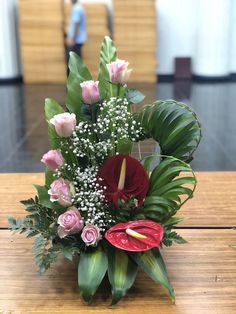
{"points": [[42, 41], [97, 28], [135, 36]]}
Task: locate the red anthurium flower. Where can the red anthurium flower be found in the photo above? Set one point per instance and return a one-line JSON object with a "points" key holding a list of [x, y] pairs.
{"points": [[139, 235], [124, 177]]}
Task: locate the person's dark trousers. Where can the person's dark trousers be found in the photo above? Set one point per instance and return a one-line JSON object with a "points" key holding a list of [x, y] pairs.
{"points": [[77, 48]]}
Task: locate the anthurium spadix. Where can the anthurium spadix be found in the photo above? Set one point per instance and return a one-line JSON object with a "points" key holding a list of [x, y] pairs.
{"points": [[139, 235], [124, 177]]}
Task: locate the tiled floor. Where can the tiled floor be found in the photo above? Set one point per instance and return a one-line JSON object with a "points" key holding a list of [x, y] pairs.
{"points": [[23, 136]]}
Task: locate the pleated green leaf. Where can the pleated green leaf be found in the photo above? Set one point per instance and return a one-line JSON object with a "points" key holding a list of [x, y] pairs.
{"points": [[172, 183], [153, 265], [173, 125], [78, 73], [121, 273], [92, 268]]}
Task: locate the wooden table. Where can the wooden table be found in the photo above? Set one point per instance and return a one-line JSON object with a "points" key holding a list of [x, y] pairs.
{"points": [[203, 272]]}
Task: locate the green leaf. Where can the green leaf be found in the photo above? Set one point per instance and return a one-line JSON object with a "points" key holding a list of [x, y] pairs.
{"points": [[43, 254], [78, 73], [154, 266], [124, 146], [44, 198], [173, 125], [173, 221], [169, 189], [51, 109], [107, 55], [121, 273], [172, 236], [67, 251], [49, 178], [134, 96], [92, 269]]}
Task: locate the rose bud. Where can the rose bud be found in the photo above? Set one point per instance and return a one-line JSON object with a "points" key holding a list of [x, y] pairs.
{"points": [[119, 72], [139, 235], [53, 159], [61, 192], [64, 123], [123, 177], [90, 92], [70, 222], [91, 235]]}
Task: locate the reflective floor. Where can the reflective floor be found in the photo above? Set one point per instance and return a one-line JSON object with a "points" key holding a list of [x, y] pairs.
{"points": [[23, 137]]}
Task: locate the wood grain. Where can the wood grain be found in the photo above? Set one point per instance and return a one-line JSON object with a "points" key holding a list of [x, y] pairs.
{"points": [[131, 38], [203, 273], [214, 202], [42, 41]]}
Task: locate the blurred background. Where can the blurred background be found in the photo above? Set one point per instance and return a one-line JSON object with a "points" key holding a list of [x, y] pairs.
{"points": [[182, 49]]}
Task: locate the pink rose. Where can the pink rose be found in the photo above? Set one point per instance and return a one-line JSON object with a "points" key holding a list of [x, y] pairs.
{"points": [[64, 123], [60, 192], [90, 92], [91, 235], [53, 159], [70, 222], [118, 71]]}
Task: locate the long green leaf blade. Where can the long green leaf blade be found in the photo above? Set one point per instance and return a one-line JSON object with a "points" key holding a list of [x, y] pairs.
{"points": [[153, 265], [78, 73], [92, 269], [107, 55], [121, 273], [51, 109]]}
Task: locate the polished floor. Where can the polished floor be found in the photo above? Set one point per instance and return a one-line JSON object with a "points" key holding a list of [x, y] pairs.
{"points": [[23, 136]]}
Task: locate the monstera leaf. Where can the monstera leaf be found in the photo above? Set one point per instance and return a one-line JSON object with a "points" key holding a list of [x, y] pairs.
{"points": [[172, 183], [173, 125]]}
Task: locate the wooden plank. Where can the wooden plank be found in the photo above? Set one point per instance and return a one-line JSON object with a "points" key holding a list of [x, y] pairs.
{"points": [[40, 36], [97, 28], [42, 41], [131, 37], [203, 273], [214, 202]]}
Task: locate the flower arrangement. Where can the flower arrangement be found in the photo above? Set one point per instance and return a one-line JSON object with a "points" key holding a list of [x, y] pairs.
{"points": [[98, 201]]}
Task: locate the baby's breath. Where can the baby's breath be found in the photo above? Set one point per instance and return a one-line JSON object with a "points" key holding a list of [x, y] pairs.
{"points": [[89, 198]]}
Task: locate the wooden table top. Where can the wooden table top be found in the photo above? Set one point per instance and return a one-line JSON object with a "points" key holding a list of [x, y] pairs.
{"points": [[203, 271]]}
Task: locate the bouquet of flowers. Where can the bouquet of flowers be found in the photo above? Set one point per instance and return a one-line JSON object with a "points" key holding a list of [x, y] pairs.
{"points": [[98, 201]]}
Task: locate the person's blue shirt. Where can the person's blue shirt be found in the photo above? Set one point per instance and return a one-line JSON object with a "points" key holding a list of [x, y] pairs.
{"points": [[78, 16]]}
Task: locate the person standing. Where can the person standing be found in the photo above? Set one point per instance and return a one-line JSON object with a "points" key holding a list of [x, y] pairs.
{"points": [[77, 31]]}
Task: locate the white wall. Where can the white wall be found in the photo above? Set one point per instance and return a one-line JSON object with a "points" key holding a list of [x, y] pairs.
{"points": [[9, 58], [176, 27], [232, 48], [204, 30], [212, 55]]}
